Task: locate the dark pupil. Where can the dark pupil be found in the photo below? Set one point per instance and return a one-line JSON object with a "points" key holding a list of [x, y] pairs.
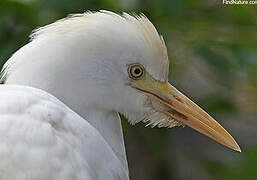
{"points": [[137, 71]]}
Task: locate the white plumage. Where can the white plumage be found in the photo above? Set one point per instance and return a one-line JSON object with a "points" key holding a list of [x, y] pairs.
{"points": [[42, 139], [85, 61]]}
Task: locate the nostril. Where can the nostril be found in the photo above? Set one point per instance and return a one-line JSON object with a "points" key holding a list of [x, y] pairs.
{"points": [[178, 98]]}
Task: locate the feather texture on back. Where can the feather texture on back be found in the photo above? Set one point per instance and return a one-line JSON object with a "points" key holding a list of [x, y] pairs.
{"points": [[41, 138]]}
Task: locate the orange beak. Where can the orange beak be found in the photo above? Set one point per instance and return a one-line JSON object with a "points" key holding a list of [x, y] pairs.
{"points": [[176, 105]]}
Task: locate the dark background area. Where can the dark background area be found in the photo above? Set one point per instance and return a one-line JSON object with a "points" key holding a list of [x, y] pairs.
{"points": [[213, 54]]}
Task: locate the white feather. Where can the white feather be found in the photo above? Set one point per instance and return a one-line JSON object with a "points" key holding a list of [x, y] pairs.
{"points": [[41, 138], [81, 60]]}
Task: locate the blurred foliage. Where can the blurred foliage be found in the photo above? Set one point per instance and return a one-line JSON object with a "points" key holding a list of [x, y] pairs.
{"points": [[213, 55], [246, 170]]}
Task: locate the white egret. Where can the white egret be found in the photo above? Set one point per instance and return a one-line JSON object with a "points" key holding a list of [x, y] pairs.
{"points": [[63, 90]]}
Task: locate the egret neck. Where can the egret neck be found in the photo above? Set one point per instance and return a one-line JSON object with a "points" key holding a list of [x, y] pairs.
{"points": [[75, 89]]}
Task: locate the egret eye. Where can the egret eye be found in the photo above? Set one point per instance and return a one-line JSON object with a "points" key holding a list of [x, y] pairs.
{"points": [[136, 71]]}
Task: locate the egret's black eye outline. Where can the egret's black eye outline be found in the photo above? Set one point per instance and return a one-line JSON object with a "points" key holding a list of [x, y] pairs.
{"points": [[136, 71]]}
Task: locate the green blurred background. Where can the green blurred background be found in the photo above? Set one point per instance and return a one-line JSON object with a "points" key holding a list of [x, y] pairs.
{"points": [[213, 55]]}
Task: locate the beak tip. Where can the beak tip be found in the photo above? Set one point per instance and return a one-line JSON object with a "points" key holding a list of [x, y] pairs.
{"points": [[232, 144], [237, 148]]}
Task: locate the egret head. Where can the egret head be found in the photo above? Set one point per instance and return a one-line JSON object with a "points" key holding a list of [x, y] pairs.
{"points": [[119, 63]]}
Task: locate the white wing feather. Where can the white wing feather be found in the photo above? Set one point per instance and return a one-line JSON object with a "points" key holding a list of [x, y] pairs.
{"points": [[43, 139]]}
